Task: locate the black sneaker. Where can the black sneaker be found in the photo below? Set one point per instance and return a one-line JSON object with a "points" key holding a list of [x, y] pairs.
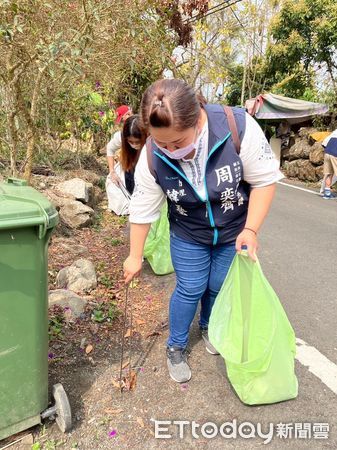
{"points": [[177, 365], [209, 346]]}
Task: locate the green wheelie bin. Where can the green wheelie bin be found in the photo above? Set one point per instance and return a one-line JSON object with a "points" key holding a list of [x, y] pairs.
{"points": [[27, 220]]}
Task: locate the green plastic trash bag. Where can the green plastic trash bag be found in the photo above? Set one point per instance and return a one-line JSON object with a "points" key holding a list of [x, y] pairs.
{"points": [[157, 245], [249, 328]]}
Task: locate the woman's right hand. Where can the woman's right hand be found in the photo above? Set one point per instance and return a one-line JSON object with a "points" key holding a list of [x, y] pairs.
{"points": [[132, 268], [115, 178]]}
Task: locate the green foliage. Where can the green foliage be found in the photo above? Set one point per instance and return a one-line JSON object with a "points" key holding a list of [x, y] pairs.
{"points": [[56, 323], [122, 220], [105, 312], [257, 80], [98, 221], [298, 84], [49, 444], [97, 316], [70, 64], [100, 266], [304, 33], [106, 281], [115, 242], [36, 446], [234, 84], [90, 113]]}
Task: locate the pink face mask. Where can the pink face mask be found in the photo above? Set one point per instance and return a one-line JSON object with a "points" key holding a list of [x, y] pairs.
{"points": [[180, 153]]}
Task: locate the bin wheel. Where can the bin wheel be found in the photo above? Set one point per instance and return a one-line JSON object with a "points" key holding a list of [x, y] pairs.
{"points": [[63, 410]]}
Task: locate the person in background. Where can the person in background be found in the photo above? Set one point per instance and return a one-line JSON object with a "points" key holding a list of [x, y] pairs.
{"points": [[330, 163], [133, 139], [219, 190], [123, 112]]}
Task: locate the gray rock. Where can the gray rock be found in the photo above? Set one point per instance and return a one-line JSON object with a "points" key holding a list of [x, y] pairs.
{"points": [[75, 214], [67, 299], [290, 169], [79, 189], [79, 277], [300, 150], [58, 199], [306, 171], [301, 169], [304, 132], [86, 175], [317, 154]]}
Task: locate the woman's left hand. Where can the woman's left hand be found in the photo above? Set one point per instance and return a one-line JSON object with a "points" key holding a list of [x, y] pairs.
{"points": [[249, 239]]}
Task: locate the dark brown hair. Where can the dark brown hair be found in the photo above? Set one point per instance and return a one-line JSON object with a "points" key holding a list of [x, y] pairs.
{"points": [[170, 102], [129, 156]]}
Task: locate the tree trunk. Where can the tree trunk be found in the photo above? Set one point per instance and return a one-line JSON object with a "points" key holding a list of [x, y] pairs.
{"points": [[13, 141], [10, 111], [243, 88], [32, 131], [333, 81]]}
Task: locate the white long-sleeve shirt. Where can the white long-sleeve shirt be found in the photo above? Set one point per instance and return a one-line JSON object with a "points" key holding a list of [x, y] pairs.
{"points": [[260, 168], [114, 144]]}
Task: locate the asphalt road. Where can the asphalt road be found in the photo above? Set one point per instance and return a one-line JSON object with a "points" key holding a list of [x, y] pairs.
{"points": [[298, 252]]}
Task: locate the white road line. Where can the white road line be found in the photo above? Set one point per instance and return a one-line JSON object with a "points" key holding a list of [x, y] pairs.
{"points": [[317, 363], [299, 188]]}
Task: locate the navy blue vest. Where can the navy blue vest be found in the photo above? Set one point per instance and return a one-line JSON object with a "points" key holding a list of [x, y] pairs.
{"points": [[331, 148], [222, 216]]}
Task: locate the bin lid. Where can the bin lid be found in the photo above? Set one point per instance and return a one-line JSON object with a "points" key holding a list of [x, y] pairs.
{"points": [[23, 206]]}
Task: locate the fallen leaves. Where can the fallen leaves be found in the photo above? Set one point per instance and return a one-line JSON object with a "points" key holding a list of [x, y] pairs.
{"points": [[125, 364], [127, 383], [116, 384], [89, 348], [130, 382], [134, 283], [140, 421], [140, 322], [154, 333], [128, 333]]}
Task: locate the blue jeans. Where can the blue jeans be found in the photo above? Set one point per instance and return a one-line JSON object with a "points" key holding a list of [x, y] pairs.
{"points": [[200, 271]]}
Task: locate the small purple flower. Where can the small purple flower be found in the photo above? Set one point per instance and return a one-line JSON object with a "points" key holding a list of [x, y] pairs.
{"points": [[51, 355], [142, 369], [184, 387], [66, 308], [101, 113], [112, 433], [98, 85]]}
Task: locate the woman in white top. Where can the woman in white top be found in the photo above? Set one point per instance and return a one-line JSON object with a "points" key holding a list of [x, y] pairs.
{"points": [[123, 112]]}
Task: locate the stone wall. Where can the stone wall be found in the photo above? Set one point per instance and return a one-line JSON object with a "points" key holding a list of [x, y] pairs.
{"points": [[304, 158]]}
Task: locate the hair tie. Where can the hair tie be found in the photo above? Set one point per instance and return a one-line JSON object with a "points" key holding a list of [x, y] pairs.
{"points": [[158, 103]]}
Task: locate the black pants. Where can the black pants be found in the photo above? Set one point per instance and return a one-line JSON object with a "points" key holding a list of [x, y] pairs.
{"points": [[130, 180]]}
